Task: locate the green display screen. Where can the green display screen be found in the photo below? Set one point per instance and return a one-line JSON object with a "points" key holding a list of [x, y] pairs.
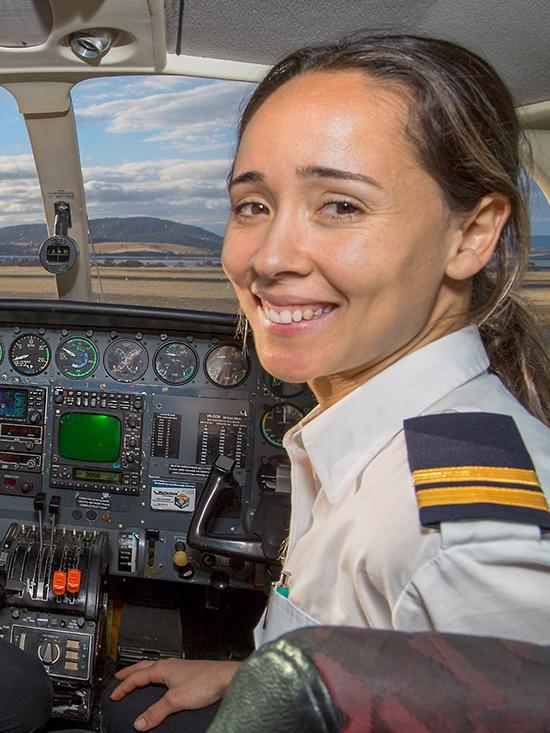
{"points": [[84, 474], [87, 437]]}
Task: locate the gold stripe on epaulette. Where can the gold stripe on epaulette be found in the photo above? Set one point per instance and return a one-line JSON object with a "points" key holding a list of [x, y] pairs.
{"points": [[475, 473], [481, 495]]}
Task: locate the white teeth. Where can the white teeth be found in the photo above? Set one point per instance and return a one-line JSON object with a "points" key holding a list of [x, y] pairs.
{"points": [[285, 316], [295, 316]]}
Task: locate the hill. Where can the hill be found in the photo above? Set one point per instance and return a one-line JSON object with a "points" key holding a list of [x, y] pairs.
{"points": [[138, 229]]}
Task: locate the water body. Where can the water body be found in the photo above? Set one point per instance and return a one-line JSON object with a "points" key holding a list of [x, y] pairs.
{"points": [[121, 261]]}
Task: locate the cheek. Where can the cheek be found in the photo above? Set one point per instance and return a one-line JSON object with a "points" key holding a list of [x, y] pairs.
{"points": [[234, 258]]}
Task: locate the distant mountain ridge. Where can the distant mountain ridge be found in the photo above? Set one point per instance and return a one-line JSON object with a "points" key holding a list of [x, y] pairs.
{"points": [[24, 239], [146, 229]]}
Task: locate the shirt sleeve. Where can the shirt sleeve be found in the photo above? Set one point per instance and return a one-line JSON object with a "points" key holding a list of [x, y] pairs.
{"points": [[487, 579]]}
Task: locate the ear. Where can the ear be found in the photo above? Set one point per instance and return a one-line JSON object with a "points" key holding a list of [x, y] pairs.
{"points": [[478, 236]]}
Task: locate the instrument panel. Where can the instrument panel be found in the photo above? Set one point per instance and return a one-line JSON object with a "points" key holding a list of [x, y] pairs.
{"points": [[120, 413]]}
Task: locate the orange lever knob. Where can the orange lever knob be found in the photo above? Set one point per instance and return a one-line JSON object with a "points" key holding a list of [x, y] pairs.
{"points": [[59, 582], [73, 580]]}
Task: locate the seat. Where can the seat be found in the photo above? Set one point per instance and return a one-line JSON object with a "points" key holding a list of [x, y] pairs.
{"points": [[350, 680]]}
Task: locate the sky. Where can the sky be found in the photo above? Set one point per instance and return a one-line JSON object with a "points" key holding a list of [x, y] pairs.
{"points": [[155, 146]]}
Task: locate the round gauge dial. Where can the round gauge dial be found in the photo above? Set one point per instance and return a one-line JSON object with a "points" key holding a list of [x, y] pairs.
{"points": [[126, 360], [283, 389], [227, 366], [175, 363], [278, 420], [273, 470], [76, 357], [29, 354]]}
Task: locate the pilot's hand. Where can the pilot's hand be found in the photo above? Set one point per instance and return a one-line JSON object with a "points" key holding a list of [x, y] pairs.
{"points": [[191, 683]]}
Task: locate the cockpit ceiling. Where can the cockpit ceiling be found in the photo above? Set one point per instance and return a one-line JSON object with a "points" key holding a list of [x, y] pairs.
{"points": [[513, 35], [173, 36]]}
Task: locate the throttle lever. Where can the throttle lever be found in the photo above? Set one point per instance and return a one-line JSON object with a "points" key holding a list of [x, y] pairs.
{"points": [[39, 504], [220, 479], [53, 509]]}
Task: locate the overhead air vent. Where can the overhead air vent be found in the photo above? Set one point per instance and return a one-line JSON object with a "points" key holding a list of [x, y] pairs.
{"points": [[91, 45], [24, 23]]}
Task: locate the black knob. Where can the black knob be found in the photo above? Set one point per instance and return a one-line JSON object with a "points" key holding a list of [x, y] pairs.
{"points": [[132, 422], [49, 652], [26, 487], [58, 398], [35, 417], [130, 458], [132, 442]]}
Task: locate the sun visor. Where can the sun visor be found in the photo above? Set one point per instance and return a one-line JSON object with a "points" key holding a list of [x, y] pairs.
{"points": [[25, 23]]}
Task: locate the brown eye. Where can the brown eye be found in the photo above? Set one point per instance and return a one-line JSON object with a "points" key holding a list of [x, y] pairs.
{"points": [[340, 209], [345, 207], [250, 208]]}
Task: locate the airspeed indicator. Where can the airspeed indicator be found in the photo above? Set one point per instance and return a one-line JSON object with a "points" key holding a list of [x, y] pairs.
{"points": [[29, 354]]}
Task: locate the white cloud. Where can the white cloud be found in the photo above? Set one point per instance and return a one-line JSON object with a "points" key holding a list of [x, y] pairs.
{"points": [[20, 200], [192, 192], [179, 118]]}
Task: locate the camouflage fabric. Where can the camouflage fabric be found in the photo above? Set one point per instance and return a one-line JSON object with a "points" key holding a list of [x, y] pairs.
{"points": [[348, 680]]}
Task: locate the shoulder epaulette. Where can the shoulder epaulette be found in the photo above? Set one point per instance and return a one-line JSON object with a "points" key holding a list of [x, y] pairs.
{"points": [[473, 465]]}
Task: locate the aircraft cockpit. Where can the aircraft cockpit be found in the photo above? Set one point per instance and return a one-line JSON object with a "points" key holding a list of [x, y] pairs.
{"points": [[144, 486]]}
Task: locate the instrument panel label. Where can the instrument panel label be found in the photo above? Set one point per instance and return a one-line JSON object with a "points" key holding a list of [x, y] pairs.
{"points": [[166, 435], [93, 502], [226, 434], [173, 496]]}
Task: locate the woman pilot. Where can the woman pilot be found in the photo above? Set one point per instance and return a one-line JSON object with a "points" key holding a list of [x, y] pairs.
{"points": [[377, 237]]}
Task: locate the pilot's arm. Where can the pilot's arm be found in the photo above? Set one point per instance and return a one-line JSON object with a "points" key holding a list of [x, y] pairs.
{"points": [[476, 485], [489, 578]]}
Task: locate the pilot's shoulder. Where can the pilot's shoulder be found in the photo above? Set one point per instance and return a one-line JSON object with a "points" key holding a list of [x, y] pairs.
{"points": [[473, 466]]}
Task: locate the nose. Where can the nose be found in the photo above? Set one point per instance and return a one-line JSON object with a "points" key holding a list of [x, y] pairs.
{"points": [[283, 248]]}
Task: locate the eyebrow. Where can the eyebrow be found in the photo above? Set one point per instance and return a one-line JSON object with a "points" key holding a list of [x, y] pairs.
{"points": [[309, 171], [247, 177], [316, 171]]}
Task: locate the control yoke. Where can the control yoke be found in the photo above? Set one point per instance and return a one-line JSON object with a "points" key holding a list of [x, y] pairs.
{"points": [[220, 479]]}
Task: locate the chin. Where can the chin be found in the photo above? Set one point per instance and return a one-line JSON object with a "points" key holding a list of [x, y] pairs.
{"points": [[289, 370]]}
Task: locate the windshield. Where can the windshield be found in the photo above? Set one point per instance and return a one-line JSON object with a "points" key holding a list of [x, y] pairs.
{"points": [[155, 155], [537, 282], [22, 228]]}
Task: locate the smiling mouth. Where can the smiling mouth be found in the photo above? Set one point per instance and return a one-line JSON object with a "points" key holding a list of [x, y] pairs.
{"points": [[293, 314]]}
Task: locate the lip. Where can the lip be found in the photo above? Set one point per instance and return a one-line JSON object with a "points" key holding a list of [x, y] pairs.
{"points": [[280, 302]]}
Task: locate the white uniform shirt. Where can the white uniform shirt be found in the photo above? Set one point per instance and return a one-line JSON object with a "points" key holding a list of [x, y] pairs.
{"points": [[358, 554]]}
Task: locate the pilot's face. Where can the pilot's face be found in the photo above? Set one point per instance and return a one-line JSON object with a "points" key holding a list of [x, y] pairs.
{"points": [[338, 240]]}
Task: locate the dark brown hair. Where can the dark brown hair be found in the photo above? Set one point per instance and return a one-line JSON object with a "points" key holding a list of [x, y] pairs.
{"points": [[465, 132]]}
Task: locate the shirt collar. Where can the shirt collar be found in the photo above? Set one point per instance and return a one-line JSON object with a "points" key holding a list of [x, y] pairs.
{"points": [[343, 439]]}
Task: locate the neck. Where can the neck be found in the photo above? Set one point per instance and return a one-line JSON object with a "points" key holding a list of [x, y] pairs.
{"points": [[332, 388]]}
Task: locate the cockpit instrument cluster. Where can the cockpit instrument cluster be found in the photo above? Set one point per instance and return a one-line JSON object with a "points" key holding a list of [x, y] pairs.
{"points": [[119, 418]]}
